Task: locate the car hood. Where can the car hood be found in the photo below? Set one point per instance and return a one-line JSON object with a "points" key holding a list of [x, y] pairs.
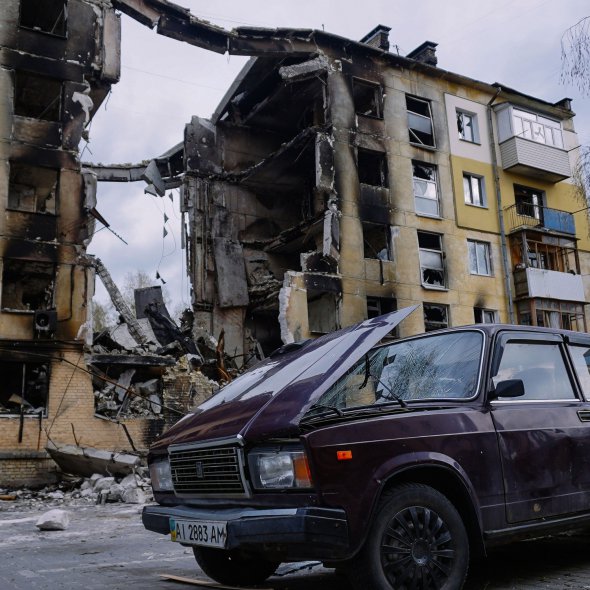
{"points": [[270, 399]]}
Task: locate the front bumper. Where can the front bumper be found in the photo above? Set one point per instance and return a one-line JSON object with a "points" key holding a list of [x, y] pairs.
{"points": [[294, 533]]}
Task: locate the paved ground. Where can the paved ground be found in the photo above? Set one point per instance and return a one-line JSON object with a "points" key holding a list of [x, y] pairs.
{"points": [[107, 548]]}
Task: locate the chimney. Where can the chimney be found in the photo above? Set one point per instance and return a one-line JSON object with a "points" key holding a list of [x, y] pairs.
{"points": [[426, 53], [378, 37]]}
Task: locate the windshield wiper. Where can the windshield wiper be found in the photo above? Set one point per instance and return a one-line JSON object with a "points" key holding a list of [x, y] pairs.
{"points": [[334, 409], [368, 375]]}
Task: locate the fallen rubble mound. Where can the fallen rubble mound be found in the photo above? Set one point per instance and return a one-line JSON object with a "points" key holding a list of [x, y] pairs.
{"points": [[134, 488]]}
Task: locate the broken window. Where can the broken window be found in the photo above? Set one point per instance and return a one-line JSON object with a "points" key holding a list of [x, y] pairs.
{"points": [[372, 168], [27, 285], [420, 121], [485, 316], [474, 190], [529, 202], [537, 128], [432, 266], [367, 98], [32, 189], [48, 16], [24, 387], [321, 312], [435, 316], [480, 262], [38, 97], [467, 126], [425, 189], [377, 306], [377, 241]]}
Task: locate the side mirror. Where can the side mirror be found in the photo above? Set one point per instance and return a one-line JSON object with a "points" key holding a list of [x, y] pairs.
{"points": [[508, 388]]}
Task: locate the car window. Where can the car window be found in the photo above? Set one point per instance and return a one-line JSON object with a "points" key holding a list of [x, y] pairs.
{"points": [[541, 368], [444, 366], [581, 357]]}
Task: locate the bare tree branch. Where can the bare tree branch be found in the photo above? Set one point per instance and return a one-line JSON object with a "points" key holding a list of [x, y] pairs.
{"points": [[575, 55]]}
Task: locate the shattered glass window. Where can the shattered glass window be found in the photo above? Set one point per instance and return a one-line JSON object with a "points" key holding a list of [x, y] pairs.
{"points": [[367, 98], [376, 241], [432, 267], [47, 16], [24, 387], [425, 189], [436, 316], [443, 366], [467, 126], [473, 189], [420, 121], [27, 285], [372, 168], [32, 189]]}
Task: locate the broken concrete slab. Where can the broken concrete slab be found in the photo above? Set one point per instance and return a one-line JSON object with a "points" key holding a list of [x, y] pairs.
{"points": [[54, 520]]}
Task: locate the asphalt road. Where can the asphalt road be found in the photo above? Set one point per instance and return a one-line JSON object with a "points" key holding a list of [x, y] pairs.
{"points": [[107, 548]]}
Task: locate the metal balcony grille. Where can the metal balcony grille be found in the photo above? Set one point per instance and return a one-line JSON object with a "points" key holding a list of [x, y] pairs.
{"points": [[207, 471]]}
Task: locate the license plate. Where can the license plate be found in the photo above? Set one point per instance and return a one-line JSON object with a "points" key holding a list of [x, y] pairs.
{"points": [[209, 533]]}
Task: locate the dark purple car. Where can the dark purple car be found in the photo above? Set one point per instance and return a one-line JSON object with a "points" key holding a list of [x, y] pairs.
{"points": [[396, 463]]}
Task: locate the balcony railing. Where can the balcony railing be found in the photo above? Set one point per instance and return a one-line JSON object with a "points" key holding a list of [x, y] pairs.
{"points": [[523, 215]]}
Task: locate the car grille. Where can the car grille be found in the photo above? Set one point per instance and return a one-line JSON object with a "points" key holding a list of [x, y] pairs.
{"points": [[211, 470]]}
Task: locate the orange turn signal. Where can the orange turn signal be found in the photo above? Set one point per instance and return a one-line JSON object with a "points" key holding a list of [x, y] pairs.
{"points": [[344, 455], [302, 472]]}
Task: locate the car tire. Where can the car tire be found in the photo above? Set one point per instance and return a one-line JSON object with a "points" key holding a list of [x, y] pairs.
{"points": [[417, 540], [233, 569]]}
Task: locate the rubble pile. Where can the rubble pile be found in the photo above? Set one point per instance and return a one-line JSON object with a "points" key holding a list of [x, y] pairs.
{"points": [[97, 489]]}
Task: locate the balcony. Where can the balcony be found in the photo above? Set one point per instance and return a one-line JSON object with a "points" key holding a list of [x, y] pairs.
{"points": [[525, 215], [530, 158], [548, 284]]}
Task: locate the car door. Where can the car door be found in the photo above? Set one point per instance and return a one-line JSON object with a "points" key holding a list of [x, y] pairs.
{"points": [[542, 438]]}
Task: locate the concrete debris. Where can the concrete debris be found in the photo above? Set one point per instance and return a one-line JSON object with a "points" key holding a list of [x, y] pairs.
{"points": [[54, 520]]}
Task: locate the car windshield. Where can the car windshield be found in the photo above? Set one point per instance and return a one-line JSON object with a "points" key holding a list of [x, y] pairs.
{"points": [[443, 366]]}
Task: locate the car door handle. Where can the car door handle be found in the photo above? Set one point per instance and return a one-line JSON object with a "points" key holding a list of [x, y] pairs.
{"points": [[584, 415]]}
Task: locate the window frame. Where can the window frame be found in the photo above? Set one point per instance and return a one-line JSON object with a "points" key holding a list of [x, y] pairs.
{"points": [[27, 366], [435, 182], [460, 114], [365, 226], [529, 119], [416, 140], [435, 325], [64, 16], [537, 204], [487, 255], [440, 252], [382, 166], [468, 179], [483, 312], [377, 97]]}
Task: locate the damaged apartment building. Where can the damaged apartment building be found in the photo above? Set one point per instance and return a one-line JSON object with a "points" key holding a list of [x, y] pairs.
{"points": [[58, 60], [338, 180]]}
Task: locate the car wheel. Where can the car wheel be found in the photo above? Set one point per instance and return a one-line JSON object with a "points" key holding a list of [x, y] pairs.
{"points": [[417, 540], [233, 569]]}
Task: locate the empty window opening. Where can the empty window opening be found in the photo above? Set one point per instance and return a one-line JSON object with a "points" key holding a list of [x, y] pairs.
{"points": [[32, 189], [367, 98], [425, 181], [321, 312], [436, 316], [377, 241], [48, 16], [372, 168], [467, 126], [420, 121], [485, 316], [37, 97], [529, 202], [26, 285], [24, 387], [480, 262], [432, 266], [377, 306], [474, 190]]}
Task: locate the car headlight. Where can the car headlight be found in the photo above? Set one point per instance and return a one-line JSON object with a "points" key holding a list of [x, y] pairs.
{"points": [[161, 475], [279, 468]]}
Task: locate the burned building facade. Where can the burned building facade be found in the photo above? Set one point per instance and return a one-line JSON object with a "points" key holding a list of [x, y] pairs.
{"points": [[58, 59], [337, 181]]}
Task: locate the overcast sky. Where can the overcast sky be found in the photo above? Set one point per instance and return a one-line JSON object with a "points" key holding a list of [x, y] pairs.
{"points": [[164, 82]]}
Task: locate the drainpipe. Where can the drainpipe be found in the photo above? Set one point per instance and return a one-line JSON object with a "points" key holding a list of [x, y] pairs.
{"points": [[503, 245]]}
